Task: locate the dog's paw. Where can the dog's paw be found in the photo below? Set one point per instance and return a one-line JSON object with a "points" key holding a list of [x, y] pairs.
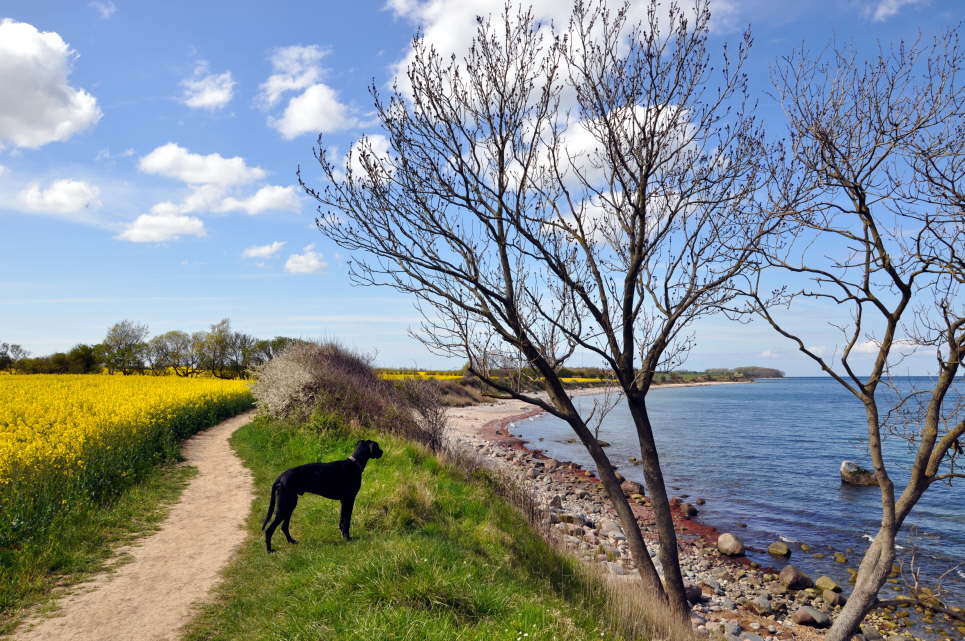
{"points": [[293, 541]]}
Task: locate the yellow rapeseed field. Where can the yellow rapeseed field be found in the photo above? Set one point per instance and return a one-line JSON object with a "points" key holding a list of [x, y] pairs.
{"points": [[52, 419], [66, 438]]}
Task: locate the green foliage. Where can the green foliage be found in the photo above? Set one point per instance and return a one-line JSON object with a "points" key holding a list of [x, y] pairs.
{"points": [[435, 556], [83, 540]]}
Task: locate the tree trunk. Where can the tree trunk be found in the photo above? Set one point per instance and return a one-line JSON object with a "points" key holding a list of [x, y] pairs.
{"points": [[638, 547], [874, 569], [669, 560]]}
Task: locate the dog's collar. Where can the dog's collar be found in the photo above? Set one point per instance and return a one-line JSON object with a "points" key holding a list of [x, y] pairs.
{"points": [[352, 458]]}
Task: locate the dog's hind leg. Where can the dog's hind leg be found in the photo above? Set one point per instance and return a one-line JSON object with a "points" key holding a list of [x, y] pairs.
{"points": [[345, 520], [286, 505], [288, 518]]}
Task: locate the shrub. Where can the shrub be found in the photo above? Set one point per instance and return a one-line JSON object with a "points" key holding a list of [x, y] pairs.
{"points": [[309, 377]]}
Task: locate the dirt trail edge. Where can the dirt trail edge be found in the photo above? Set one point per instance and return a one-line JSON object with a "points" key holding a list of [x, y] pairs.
{"points": [[152, 596]]}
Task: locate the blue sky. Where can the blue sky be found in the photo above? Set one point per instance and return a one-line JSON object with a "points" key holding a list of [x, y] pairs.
{"points": [[148, 154]]}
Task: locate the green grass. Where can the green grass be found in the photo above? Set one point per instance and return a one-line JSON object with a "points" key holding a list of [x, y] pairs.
{"points": [[434, 556], [80, 542]]}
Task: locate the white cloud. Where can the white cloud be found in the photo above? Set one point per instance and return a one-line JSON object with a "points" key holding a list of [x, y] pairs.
{"points": [[901, 346], [204, 90], [156, 228], [106, 154], [818, 350], [295, 69], [308, 262], [104, 7], [37, 106], [3, 170], [884, 9], [769, 354], [317, 107], [269, 198], [66, 196], [175, 161], [263, 251], [315, 110]]}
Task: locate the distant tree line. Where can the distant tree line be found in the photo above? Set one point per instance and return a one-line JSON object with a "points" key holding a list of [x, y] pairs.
{"points": [[749, 371], [127, 349]]}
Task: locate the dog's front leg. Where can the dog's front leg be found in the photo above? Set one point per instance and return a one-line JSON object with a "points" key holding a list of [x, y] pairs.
{"points": [[346, 518]]}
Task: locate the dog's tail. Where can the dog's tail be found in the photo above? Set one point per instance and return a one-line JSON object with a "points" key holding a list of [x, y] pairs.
{"points": [[271, 505]]}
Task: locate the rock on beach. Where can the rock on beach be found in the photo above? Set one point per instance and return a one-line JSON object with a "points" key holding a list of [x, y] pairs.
{"points": [[730, 544]]}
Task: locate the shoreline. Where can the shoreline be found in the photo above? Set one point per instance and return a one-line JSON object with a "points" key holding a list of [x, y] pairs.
{"points": [[739, 598]]}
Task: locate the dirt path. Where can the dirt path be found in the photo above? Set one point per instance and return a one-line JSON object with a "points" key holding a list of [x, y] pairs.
{"points": [[153, 595]]}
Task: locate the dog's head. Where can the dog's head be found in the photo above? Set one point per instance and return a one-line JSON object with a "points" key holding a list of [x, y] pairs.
{"points": [[367, 449]]}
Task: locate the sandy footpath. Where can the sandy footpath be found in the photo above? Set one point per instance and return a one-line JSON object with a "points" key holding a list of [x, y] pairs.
{"points": [[154, 594]]}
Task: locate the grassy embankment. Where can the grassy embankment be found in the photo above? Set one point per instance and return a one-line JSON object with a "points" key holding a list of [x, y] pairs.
{"points": [[436, 555]]}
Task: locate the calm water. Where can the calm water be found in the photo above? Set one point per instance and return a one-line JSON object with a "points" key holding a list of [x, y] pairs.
{"points": [[766, 454]]}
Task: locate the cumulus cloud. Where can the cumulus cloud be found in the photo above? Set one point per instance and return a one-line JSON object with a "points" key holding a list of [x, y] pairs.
{"points": [[308, 262], [206, 90], [269, 198], [295, 68], [884, 9], [263, 251], [156, 228], [769, 354], [317, 107], [3, 170], [37, 105], [66, 196], [174, 161]]}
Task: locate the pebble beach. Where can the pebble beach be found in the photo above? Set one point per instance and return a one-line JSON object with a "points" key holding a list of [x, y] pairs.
{"points": [[731, 596]]}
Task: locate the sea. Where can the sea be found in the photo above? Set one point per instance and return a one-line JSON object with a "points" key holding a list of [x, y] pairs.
{"points": [[765, 457]]}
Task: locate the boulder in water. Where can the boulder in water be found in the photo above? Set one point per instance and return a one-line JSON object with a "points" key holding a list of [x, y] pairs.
{"points": [[854, 474], [827, 583], [779, 548], [688, 510], [730, 545]]}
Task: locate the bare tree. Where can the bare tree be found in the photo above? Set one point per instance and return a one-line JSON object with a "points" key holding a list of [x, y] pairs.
{"points": [[586, 189], [125, 347], [877, 149]]}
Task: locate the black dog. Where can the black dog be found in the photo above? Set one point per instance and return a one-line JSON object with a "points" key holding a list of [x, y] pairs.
{"points": [[338, 480]]}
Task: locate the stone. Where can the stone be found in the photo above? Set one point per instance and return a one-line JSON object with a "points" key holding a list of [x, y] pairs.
{"points": [[709, 586], [556, 501], [827, 583], [833, 598], [732, 628], [632, 487], [727, 604], [870, 633], [700, 501], [688, 510], [840, 558], [854, 474], [777, 588], [760, 605], [810, 617], [804, 547], [750, 636], [794, 579], [730, 544], [693, 593], [615, 568], [619, 477], [779, 548]]}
